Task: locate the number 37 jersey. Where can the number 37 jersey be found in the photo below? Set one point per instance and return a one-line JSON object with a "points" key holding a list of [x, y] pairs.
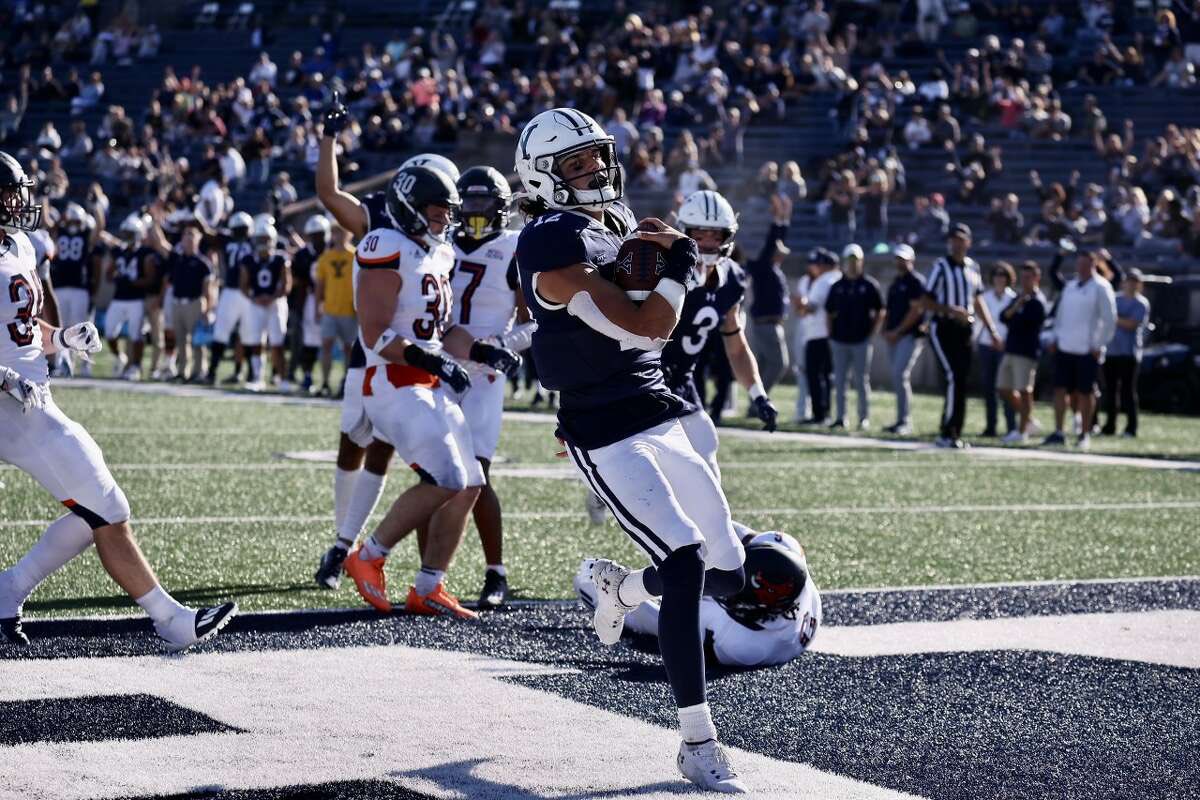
{"points": [[423, 304], [485, 283], [21, 302]]}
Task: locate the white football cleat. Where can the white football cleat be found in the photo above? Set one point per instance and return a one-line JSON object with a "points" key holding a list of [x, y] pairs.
{"points": [[584, 587], [596, 510], [194, 625], [1015, 437], [707, 765], [119, 364], [609, 619], [132, 373]]}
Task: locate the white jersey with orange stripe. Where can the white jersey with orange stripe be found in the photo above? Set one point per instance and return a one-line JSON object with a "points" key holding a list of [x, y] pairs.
{"points": [[21, 301], [423, 304]]}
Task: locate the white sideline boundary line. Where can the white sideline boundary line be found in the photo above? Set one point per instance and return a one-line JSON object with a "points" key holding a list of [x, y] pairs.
{"points": [[825, 440], [948, 587], [1037, 508]]}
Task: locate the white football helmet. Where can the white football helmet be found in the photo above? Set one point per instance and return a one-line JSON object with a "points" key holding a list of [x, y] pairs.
{"points": [[264, 234], [75, 217], [133, 228], [708, 209], [434, 161], [240, 224], [557, 134], [316, 225]]}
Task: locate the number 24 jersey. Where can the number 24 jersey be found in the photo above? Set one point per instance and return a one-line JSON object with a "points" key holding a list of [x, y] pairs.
{"points": [[423, 304]]}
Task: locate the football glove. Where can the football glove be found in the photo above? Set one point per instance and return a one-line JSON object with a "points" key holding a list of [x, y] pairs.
{"points": [[500, 359], [683, 261], [25, 392], [82, 339], [436, 364], [519, 338], [336, 117], [762, 408]]}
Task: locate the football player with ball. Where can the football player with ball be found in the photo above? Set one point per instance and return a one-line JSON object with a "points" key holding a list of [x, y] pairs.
{"points": [[600, 350]]}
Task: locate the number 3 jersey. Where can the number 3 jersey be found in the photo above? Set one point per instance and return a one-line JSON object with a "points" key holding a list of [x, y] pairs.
{"points": [[423, 304], [20, 306], [704, 309]]}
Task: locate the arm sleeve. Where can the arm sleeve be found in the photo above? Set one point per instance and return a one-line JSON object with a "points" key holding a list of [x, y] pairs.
{"points": [[934, 283], [510, 275]]}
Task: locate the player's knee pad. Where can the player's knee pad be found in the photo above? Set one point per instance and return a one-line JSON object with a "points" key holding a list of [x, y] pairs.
{"points": [[724, 582]]}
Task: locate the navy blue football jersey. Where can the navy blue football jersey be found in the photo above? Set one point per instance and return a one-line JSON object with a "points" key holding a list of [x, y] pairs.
{"points": [[375, 204], [265, 274], [131, 263], [606, 394], [71, 267], [703, 310], [232, 253]]}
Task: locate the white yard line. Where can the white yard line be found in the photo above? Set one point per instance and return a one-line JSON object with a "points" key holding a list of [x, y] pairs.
{"points": [[824, 440], [1041, 508]]}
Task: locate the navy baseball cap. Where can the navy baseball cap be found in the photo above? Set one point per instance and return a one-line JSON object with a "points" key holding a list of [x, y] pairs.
{"points": [[960, 229]]}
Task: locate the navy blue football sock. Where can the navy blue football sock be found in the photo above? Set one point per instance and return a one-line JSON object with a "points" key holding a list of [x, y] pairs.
{"points": [[679, 638]]}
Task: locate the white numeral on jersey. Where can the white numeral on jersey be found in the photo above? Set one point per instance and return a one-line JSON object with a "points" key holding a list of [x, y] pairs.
{"points": [[706, 319]]}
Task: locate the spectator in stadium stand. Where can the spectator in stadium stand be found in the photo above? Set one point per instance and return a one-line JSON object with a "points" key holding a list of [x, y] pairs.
{"points": [[854, 309], [930, 223], [770, 296], [1024, 318], [1124, 355], [1084, 321], [190, 274], [952, 297], [998, 296], [818, 359], [904, 333]]}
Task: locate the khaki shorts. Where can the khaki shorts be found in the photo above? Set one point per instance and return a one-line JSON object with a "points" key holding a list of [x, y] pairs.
{"points": [[1016, 373]]}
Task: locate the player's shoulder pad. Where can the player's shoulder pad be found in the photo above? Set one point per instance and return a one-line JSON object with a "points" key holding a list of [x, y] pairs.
{"points": [[623, 213], [735, 272], [552, 241], [382, 248]]}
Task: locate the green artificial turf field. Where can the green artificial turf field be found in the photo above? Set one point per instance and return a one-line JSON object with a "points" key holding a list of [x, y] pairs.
{"points": [[222, 512]]}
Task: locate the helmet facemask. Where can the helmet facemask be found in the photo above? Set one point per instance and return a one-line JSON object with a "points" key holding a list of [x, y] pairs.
{"points": [[605, 184], [709, 258], [18, 212], [482, 214]]}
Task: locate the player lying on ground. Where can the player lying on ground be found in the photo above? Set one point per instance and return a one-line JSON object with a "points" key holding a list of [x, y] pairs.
{"points": [[412, 384], [771, 621], [620, 422], [58, 453]]}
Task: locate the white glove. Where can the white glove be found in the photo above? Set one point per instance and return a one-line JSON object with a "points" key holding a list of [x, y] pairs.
{"points": [[82, 338], [520, 337], [25, 392]]}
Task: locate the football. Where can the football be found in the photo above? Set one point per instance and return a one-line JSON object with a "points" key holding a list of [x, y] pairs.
{"points": [[638, 267]]}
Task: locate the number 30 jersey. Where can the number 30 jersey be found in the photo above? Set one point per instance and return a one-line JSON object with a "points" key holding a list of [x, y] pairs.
{"points": [[21, 302], [700, 320], [423, 305]]}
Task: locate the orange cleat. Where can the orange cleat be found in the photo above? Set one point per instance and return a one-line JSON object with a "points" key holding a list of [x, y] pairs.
{"points": [[438, 603], [368, 577]]}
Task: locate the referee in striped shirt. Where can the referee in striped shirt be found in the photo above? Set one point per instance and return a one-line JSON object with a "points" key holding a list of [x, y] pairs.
{"points": [[954, 292]]}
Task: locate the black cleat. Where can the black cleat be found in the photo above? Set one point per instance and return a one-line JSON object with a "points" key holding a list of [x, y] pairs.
{"points": [[329, 574], [495, 590], [10, 631]]}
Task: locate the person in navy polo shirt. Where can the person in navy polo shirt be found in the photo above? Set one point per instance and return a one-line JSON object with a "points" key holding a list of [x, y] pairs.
{"points": [[855, 309], [905, 335], [190, 274], [1017, 372]]}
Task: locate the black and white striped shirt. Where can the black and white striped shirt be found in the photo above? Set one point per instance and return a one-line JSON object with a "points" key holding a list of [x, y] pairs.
{"points": [[952, 284]]}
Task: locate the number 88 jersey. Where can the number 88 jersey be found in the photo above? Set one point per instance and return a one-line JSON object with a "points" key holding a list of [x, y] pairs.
{"points": [[21, 303], [700, 320], [423, 305]]}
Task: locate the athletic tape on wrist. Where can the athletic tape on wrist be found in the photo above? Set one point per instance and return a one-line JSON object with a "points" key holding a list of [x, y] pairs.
{"points": [[673, 292]]}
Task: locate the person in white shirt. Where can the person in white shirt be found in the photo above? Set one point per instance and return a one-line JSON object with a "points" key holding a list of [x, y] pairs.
{"points": [[991, 350], [1084, 321], [818, 358], [693, 179], [264, 70], [233, 166], [800, 335], [215, 202]]}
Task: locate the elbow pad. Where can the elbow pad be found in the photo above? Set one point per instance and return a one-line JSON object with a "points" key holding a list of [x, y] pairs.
{"points": [[584, 307]]}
